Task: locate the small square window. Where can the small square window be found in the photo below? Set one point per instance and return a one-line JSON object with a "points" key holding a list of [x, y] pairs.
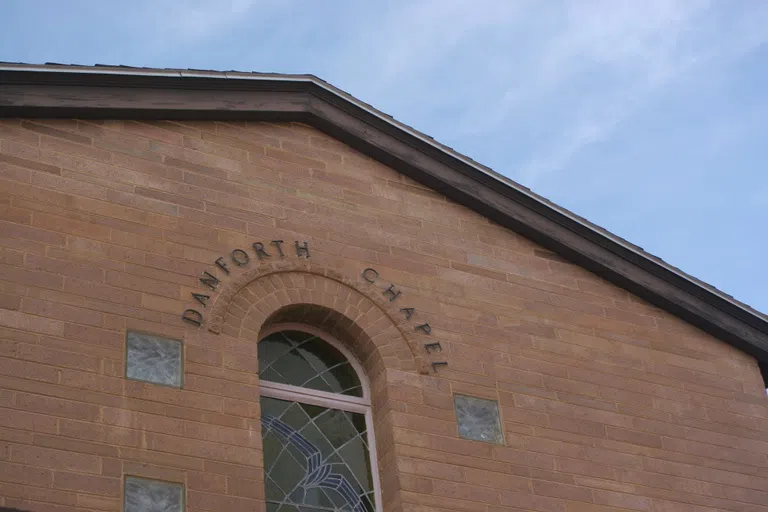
{"points": [[478, 419], [153, 359], [142, 495]]}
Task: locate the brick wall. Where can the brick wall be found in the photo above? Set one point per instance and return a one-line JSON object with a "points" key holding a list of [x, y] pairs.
{"points": [[607, 403]]}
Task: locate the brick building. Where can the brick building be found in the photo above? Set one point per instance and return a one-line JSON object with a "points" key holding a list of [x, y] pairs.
{"points": [[245, 292]]}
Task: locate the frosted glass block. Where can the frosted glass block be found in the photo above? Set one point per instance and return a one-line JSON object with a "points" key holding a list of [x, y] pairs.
{"points": [[478, 419], [142, 495], [153, 359]]}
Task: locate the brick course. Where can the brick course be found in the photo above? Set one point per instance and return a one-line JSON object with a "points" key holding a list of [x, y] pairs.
{"points": [[608, 403]]}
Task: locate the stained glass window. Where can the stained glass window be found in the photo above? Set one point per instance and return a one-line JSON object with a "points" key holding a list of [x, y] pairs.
{"points": [[317, 453], [302, 359]]}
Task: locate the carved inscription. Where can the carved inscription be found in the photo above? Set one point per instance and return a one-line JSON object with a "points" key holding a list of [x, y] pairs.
{"points": [[238, 258], [392, 293]]}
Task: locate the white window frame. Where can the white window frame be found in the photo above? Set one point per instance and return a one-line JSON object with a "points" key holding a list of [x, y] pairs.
{"points": [[330, 400]]}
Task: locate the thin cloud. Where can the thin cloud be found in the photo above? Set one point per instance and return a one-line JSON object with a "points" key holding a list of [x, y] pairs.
{"points": [[632, 51], [178, 23]]}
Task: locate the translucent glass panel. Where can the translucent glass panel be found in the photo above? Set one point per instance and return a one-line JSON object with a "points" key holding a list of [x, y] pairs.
{"points": [[301, 359], [153, 359], [142, 495], [478, 419], [315, 458]]}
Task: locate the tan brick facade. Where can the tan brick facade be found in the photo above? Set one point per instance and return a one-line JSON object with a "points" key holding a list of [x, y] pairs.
{"points": [[607, 403]]}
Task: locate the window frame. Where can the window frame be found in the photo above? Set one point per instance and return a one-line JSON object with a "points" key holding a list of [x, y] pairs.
{"points": [[360, 405]]}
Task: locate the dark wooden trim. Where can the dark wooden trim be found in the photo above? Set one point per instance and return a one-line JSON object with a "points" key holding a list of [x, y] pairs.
{"points": [[91, 95], [764, 371], [18, 100]]}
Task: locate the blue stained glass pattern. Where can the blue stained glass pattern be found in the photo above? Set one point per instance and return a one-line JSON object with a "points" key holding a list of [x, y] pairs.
{"points": [[315, 458]]}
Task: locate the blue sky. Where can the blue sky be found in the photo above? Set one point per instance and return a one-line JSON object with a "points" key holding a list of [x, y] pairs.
{"points": [[647, 117]]}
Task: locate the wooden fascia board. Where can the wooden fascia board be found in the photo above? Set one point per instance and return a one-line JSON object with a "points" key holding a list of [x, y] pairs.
{"points": [[37, 94]]}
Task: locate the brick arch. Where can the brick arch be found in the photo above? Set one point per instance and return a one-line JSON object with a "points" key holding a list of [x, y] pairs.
{"points": [[373, 328], [355, 313], [341, 327]]}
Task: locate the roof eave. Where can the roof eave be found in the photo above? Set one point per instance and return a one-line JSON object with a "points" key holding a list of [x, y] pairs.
{"points": [[64, 91]]}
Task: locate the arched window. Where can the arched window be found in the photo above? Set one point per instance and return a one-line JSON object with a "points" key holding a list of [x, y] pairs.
{"points": [[316, 424]]}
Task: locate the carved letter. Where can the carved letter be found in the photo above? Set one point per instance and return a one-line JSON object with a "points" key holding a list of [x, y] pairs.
{"points": [[199, 297], [425, 327], [279, 245], [260, 252], [240, 257], [210, 280], [192, 316], [223, 266], [370, 275], [302, 249], [408, 312], [391, 293]]}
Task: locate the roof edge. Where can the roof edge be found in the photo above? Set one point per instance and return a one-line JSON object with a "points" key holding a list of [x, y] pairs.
{"points": [[310, 99]]}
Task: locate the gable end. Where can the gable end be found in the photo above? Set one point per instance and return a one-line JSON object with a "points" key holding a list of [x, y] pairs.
{"points": [[133, 93]]}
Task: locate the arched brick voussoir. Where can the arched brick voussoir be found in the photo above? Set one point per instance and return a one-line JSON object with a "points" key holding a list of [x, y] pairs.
{"points": [[244, 305]]}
